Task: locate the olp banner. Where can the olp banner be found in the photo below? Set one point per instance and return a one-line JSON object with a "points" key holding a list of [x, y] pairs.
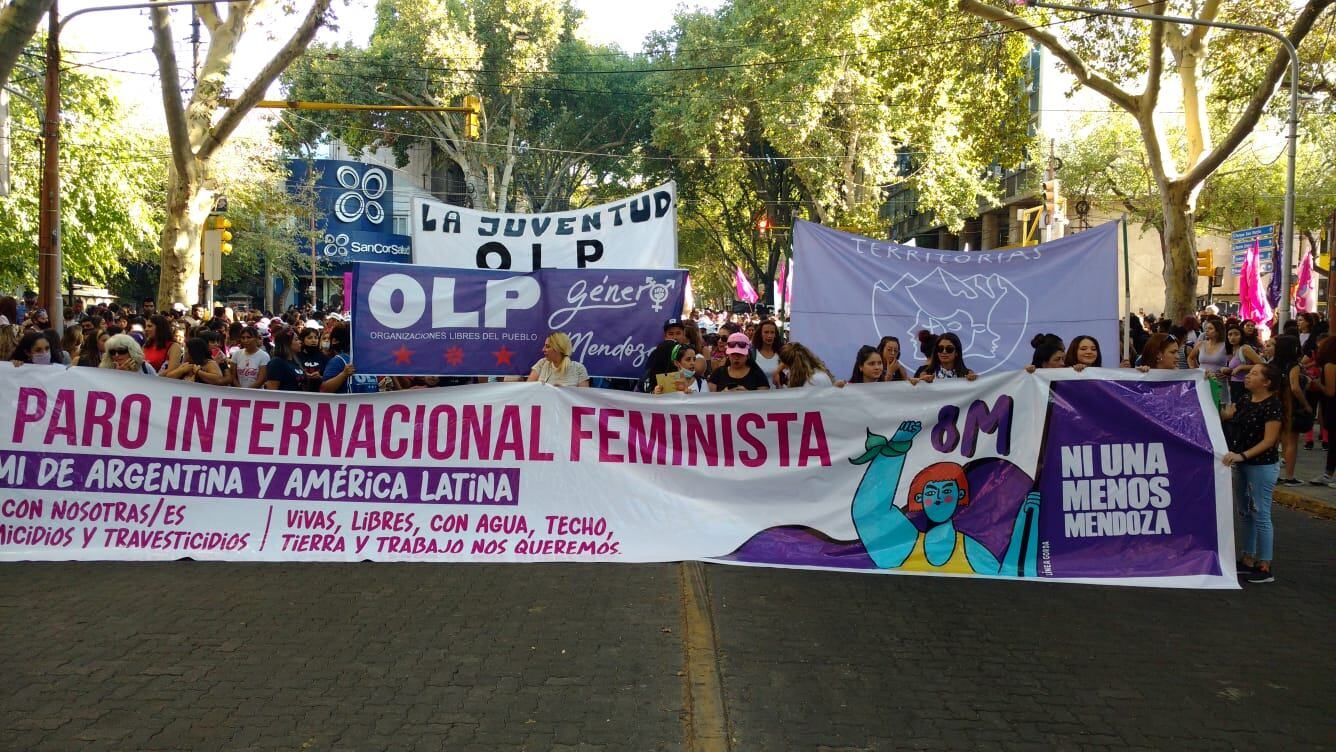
{"points": [[1104, 476], [853, 290], [419, 320], [638, 232]]}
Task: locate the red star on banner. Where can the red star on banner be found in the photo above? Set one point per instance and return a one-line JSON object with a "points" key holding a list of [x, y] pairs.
{"points": [[503, 356], [403, 356], [454, 356]]}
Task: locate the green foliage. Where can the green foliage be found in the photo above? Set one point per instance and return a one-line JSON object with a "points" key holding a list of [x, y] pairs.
{"points": [[553, 105], [108, 174]]}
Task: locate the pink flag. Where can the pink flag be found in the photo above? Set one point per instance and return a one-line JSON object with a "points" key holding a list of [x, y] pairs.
{"points": [[746, 292], [779, 284], [1305, 293], [1252, 296], [788, 286], [689, 300]]}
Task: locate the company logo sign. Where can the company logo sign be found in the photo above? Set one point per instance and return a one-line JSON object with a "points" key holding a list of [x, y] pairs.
{"points": [[363, 194]]}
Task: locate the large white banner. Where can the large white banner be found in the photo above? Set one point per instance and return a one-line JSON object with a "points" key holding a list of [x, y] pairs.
{"points": [[639, 232], [1054, 475]]}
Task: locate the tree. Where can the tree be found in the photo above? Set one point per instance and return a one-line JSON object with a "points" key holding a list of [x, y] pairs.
{"points": [[110, 185], [1127, 61], [825, 117], [195, 132], [551, 103], [18, 22]]}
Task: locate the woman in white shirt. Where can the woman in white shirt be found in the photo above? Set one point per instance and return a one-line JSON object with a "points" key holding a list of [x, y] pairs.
{"points": [[766, 343], [803, 368], [556, 367]]}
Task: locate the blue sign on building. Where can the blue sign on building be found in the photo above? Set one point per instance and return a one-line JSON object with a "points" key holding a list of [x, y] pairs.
{"points": [[354, 204]]}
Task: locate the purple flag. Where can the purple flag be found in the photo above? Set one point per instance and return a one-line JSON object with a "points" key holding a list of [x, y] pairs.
{"points": [[411, 320], [1277, 263]]}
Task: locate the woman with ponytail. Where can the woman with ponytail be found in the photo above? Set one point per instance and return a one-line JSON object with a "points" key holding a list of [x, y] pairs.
{"points": [[556, 367]]}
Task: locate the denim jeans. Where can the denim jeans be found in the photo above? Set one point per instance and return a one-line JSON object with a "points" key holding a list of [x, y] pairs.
{"points": [[1253, 485]]}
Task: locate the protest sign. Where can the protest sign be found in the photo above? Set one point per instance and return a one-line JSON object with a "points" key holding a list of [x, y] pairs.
{"points": [[418, 320], [1103, 476], [638, 232], [855, 290]]}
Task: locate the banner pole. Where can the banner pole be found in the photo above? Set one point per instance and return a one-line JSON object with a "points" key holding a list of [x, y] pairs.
{"points": [[1127, 297]]}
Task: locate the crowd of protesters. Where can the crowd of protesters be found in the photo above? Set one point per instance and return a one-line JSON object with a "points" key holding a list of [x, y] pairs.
{"points": [[1272, 392]]}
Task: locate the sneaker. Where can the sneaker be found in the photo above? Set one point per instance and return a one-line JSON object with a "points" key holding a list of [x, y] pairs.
{"points": [[1292, 482], [1242, 568], [1260, 576], [1308, 445], [1322, 480]]}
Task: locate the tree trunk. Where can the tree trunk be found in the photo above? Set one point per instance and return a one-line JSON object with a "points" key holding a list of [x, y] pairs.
{"points": [[188, 205], [1180, 251]]}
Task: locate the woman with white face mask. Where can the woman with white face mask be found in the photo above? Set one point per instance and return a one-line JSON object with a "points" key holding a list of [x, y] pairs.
{"points": [[684, 377], [34, 348]]}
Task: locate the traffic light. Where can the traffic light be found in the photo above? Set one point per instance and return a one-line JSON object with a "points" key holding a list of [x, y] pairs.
{"points": [[472, 122], [1052, 195], [220, 225], [1205, 263], [762, 224]]}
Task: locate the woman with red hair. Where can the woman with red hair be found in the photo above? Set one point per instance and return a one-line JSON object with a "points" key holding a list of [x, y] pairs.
{"points": [[938, 491]]}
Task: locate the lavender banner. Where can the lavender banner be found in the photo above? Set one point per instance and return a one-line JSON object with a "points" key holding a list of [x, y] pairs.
{"points": [[422, 321], [854, 290]]}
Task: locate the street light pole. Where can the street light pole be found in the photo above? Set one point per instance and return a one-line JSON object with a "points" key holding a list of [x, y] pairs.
{"points": [[1293, 137], [49, 258]]}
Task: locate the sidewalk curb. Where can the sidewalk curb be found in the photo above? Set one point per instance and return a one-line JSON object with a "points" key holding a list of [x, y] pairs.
{"points": [[1303, 503]]}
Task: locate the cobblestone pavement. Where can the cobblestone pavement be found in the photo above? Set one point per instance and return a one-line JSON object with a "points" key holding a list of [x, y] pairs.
{"points": [[195, 656], [818, 661], [206, 656]]}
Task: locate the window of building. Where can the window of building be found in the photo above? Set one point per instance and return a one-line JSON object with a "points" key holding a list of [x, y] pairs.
{"points": [[400, 224]]}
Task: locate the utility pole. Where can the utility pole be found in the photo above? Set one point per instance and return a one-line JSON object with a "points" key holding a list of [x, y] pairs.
{"points": [[48, 222]]}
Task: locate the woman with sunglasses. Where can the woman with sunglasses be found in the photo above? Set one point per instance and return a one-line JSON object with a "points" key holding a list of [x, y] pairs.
{"points": [[739, 374], [124, 354], [947, 361], [1160, 352]]}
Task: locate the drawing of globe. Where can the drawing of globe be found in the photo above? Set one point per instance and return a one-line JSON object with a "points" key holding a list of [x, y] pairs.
{"points": [[987, 312]]}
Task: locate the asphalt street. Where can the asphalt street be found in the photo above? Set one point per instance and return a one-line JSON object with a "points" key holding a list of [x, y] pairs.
{"points": [[205, 656]]}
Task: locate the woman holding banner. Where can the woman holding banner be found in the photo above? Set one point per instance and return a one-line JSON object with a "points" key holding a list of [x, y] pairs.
{"points": [[946, 360], [1083, 353], [739, 374], [799, 366], [868, 366], [556, 367]]}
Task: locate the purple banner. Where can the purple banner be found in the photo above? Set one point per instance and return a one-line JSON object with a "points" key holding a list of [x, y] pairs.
{"points": [[64, 473], [422, 321], [1125, 488]]}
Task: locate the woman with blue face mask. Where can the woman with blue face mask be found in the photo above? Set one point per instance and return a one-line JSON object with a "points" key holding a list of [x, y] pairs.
{"points": [[683, 377]]}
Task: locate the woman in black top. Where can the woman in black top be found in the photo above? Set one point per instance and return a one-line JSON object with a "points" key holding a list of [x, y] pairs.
{"points": [[285, 371], [1259, 420], [312, 358], [946, 360], [891, 367], [739, 374]]}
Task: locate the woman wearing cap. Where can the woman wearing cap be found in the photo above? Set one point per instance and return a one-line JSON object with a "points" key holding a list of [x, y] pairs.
{"points": [[738, 374], [124, 354], [556, 367]]}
